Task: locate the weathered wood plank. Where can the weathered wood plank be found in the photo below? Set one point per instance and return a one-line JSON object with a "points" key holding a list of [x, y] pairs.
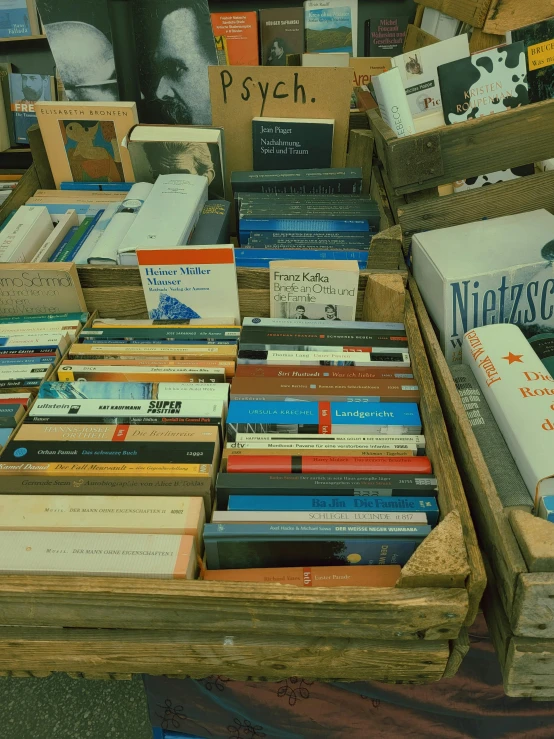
{"points": [[26, 188], [490, 520], [535, 537], [417, 38], [505, 198], [451, 153], [384, 298], [451, 493], [240, 657], [386, 613], [481, 40], [470, 11], [459, 647], [40, 158], [360, 154], [440, 561], [379, 193], [533, 610], [505, 15]]}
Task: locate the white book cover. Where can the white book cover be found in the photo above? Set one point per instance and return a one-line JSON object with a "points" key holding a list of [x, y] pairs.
{"points": [[520, 394], [190, 282], [108, 409], [66, 222], [25, 234], [327, 293], [168, 216], [393, 102], [418, 71], [499, 270]]}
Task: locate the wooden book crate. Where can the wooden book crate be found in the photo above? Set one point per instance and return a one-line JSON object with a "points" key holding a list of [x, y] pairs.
{"points": [[494, 16], [414, 632], [519, 548]]}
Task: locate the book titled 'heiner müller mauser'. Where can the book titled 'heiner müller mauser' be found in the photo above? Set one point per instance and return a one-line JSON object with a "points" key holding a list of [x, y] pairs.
{"points": [[488, 272]]}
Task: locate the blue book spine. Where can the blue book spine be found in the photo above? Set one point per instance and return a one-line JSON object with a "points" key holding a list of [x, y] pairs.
{"points": [[335, 503], [59, 209], [98, 186], [41, 318], [69, 235], [4, 436], [84, 236], [268, 254], [97, 390], [264, 263], [26, 360], [246, 225]]}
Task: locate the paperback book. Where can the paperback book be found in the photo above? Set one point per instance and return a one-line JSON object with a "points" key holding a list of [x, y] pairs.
{"points": [[282, 34]]}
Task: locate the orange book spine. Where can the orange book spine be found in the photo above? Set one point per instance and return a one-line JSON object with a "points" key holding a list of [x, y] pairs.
{"points": [[369, 576], [288, 464]]}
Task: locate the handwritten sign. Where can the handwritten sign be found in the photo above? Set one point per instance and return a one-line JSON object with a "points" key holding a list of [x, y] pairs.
{"points": [[239, 94]]}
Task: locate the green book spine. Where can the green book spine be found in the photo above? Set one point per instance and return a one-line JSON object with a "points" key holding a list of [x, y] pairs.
{"points": [[74, 240]]}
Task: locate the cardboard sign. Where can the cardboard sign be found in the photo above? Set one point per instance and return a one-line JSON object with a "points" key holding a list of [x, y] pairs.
{"points": [[366, 67], [239, 94]]}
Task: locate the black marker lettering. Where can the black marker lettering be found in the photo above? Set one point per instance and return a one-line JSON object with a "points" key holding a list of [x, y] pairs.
{"points": [[246, 90], [263, 92], [226, 81], [284, 95], [298, 87]]}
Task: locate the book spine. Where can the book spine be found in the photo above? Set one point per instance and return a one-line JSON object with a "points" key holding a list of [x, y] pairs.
{"points": [[321, 517], [365, 576], [338, 373], [363, 440], [89, 407], [84, 236], [200, 334], [62, 245], [288, 464], [76, 239], [58, 317], [393, 102], [332, 357], [247, 225]]}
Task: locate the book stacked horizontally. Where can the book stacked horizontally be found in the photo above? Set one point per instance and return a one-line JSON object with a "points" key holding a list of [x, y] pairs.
{"points": [[324, 464], [293, 215], [116, 461], [31, 345]]}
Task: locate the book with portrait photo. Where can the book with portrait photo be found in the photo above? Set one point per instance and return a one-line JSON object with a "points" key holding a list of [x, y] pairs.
{"points": [[84, 141], [160, 149], [25, 91], [282, 33]]}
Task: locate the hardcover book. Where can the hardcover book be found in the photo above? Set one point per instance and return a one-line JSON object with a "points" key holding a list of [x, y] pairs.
{"points": [[288, 143], [372, 576], [282, 33], [26, 90], [301, 181], [331, 25], [84, 142], [537, 40], [508, 481], [94, 554], [190, 282], [240, 30], [491, 81], [519, 393], [168, 150], [325, 293], [491, 271], [385, 36]]}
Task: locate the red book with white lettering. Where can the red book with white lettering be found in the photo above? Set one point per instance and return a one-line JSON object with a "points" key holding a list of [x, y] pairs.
{"points": [[285, 464]]}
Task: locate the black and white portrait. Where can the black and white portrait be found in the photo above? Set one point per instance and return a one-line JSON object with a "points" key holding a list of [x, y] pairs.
{"points": [[171, 39]]}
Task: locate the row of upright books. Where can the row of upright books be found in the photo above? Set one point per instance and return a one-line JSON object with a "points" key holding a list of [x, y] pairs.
{"points": [[151, 429]]}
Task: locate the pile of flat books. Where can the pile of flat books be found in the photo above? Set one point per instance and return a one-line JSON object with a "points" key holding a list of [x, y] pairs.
{"points": [[324, 477], [30, 346], [293, 215], [113, 470]]}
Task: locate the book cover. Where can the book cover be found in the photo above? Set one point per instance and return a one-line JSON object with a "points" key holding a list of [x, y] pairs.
{"points": [[491, 271], [103, 514], [385, 36], [240, 30], [393, 102], [288, 143], [519, 392], [84, 141], [296, 464], [190, 282], [97, 554], [368, 576], [26, 90], [281, 33], [213, 226], [168, 150], [418, 71], [507, 479], [230, 546], [25, 233], [491, 81], [325, 293], [14, 19], [365, 68], [331, 25], [493, 178], [538, 41], [332, 504]]}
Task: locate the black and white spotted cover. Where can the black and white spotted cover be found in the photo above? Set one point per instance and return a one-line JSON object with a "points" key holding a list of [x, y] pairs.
{"points": [[491, 81]]}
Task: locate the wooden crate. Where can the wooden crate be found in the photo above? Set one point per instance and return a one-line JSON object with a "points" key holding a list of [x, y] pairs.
{"points": [[519, 548], [414, 632], [414, 166], [473, 12], [417, 38], [507, 15]]}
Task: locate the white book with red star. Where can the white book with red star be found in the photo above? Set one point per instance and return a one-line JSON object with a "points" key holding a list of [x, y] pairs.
{"points": [[520, 393]]}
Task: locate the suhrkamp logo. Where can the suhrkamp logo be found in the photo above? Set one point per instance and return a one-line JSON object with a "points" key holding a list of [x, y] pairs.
{"points": [[21, 452]]}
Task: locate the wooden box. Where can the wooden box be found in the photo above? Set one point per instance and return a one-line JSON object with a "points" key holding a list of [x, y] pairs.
{"points": [[494, 16], [519, 549], [414, 632]]}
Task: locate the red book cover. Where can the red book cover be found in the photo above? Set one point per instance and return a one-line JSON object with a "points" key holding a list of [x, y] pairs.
{"points": [[288, 464], [352, 373], [241, 32]]}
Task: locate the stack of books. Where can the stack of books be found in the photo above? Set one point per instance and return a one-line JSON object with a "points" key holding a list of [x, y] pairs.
{"points": [[12, 409], [31, 345], [137, 409], [282, 215], [324, 465]]}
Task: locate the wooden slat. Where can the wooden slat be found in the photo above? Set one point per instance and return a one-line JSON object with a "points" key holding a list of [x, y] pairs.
{"points": [[491, 523], [115, 603], [480, 40], [505, 198], [459, 647], [384, 299], [487, 144], [535, 537], [40, 158], [379, 193], [533, 611], [26, 188], [470, 11], [360, 154], [505, 15], [240, 657], [451, 493], [416, 38]]}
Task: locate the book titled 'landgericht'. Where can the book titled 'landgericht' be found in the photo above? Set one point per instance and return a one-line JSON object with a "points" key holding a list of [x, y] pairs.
{"points": [[292, 143]]}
